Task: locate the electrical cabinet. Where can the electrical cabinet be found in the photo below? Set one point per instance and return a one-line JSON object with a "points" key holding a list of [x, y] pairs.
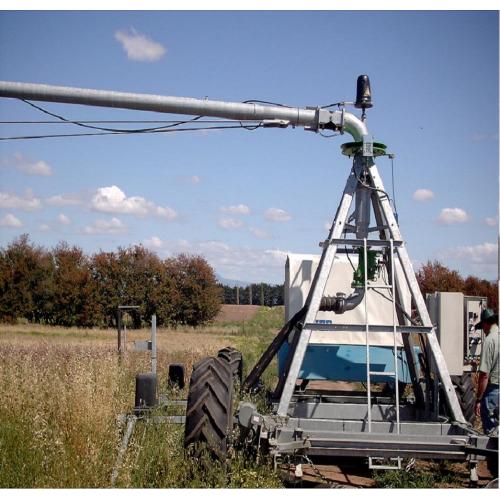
{"points": [[455, 316]]}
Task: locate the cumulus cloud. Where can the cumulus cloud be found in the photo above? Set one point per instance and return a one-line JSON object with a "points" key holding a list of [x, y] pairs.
{"points": [[63, 219], [31, 167], [277, 215], [10, 220], [261, 234], [153, 242], [231, 262], [240, 209], [230, 223], [453, 216], [482, 258], [112, 199], [61, 200], [139, 47], [101, 226], [44, 227], [423, 195], [28, 202]]}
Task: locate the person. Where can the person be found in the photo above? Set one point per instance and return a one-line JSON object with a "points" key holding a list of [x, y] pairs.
{"points": [[487, 387]]}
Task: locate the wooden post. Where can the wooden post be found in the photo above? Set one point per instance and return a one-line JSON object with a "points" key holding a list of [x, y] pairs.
{"points": [[237, 295], [250, 294]]}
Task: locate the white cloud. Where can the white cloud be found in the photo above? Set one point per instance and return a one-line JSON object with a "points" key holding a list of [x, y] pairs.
{"points": [[61, 200], [193, 179], [101, 226], [28, 203], [230, 223], [491, 221], [112, 199], [139, 47], [277, 215], [44, 227], [453, 216], [64, 219], [231, 262], [481, 259], [153, 242], [31, 167], [240, 209], [423, 195], [260, 233], [10, 220]]}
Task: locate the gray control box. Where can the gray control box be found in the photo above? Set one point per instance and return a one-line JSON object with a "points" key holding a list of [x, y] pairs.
{"points": [[454, 317]]}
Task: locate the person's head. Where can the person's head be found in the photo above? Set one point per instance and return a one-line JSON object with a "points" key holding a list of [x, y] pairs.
{"points": [[488, 318]]}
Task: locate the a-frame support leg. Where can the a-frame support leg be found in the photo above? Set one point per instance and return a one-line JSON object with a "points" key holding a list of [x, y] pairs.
{"points": [[407, 340], [440, 362], [318, 287]]}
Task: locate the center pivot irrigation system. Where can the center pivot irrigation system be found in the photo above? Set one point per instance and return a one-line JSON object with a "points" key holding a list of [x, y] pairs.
{"points": [[354, 314]]}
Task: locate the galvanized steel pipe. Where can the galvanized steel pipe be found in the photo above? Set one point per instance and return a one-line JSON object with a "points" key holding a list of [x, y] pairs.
{"points": [[178, 105]]}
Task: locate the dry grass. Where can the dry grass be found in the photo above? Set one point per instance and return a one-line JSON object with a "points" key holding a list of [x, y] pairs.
{"points": [[62, 390]]}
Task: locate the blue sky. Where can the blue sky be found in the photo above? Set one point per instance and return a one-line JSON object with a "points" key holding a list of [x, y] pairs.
{"points": [[244, 198]]}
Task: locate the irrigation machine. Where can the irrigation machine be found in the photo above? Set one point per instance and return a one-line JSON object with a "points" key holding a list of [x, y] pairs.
{"points": [[354, 314]]}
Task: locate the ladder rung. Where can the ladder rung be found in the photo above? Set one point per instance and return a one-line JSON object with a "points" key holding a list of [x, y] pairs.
{"points": [[388, 374]]}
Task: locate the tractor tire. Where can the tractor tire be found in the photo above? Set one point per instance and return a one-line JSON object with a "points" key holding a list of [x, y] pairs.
{"points": [[235, 360], [209, 411], [464, 388]]}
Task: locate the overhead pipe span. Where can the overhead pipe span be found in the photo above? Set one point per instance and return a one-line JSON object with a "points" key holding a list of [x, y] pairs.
{"points": [[184, 105]]}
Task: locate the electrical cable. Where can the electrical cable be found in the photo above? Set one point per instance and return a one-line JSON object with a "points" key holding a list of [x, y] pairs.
{"points": [[256, 101], [332, 105], [370, 187], [124, 132], [109, 129], [71, 122], [391, 157]]}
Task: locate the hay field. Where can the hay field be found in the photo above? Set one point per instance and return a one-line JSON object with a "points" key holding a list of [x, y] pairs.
{"points": [[62, 390]]}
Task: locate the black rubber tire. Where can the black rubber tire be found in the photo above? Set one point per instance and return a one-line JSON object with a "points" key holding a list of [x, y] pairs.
{"points": [[235, 360], [464, 388], [209, 411]]}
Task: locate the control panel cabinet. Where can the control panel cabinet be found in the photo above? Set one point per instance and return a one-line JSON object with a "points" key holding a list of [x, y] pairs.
{"points": [[455, 316]]}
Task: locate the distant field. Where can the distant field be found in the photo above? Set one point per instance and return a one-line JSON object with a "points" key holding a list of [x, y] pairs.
{"points": [[236, 313]]}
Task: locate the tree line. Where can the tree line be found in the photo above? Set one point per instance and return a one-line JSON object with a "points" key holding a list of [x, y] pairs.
{"points": [[434, 277], [63, 286], [261, 294]]}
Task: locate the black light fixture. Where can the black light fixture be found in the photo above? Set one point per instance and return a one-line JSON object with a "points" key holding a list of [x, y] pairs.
{"points": [[363, 93]]}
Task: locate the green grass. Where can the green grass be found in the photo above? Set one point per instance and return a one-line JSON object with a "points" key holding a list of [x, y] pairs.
{"points": [[434, 476]]}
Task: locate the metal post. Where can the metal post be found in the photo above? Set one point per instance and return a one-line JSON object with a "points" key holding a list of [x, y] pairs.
{"points": [[153, 344], [119, 327], [250, 294], [131, 421], [237, 295], [318, 286]]}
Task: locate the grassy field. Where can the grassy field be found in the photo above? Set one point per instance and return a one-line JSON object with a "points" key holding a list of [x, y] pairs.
{"points": [[62, 390]]}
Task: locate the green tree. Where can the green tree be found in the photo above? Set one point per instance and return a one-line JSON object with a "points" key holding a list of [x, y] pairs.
{"points": [[434, 277], [26, 286], [197, 298], [75, 294]]}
